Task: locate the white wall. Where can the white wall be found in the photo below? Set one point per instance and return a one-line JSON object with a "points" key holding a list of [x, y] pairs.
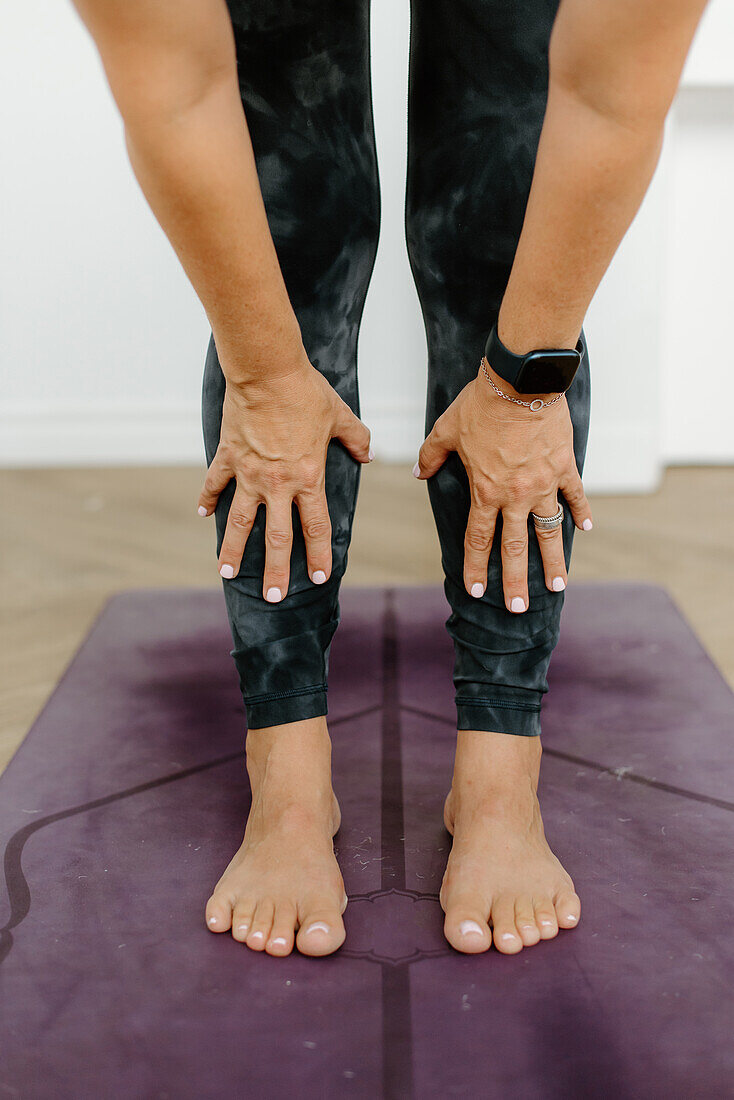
{"points": [[102, 339]]}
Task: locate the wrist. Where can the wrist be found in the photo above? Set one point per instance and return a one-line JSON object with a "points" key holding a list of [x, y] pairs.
{"points": [[505, 386], [275, 356]]}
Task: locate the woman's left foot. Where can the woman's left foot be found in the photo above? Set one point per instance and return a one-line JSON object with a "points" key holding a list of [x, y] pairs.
{"points": [[502, 882]]}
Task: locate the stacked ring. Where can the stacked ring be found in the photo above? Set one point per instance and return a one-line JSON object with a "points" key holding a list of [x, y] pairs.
{"points": [[548, 522]]}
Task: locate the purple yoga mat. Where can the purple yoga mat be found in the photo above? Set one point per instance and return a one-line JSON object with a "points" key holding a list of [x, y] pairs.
{"points": [[128, 797]]}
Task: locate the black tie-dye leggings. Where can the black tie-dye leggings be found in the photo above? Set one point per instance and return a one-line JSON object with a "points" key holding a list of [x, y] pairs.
{"points": [[477, 91]]}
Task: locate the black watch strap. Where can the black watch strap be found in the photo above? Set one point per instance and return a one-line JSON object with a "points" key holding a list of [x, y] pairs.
{"points": [[505, 363]]}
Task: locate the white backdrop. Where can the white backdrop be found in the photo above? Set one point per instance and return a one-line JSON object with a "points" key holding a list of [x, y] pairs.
{"points": [[102, 339]]}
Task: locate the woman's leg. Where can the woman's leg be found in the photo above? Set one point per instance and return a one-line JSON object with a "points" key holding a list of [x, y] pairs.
{"points": [[478, 85], [304, 72]]}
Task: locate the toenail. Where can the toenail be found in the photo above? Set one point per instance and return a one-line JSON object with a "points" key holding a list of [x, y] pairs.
{"points": [[212, 920], [508, 936], [243, 927], [470, 928], [257, 935], [279, 942], [570, 916], [319, 926]]}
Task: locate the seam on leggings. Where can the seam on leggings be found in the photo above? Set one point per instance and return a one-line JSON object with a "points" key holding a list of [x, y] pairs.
{"points": [[497, 703], [267, 696]]}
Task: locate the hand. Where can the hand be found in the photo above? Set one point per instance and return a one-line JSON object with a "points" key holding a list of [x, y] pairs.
{"points": [[274, 439], [516, 461]]}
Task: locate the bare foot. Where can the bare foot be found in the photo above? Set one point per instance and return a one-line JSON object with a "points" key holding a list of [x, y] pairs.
{"points": [[501, 872], [284, 884]]}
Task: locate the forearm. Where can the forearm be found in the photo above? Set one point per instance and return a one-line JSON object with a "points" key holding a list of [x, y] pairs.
{"points": [[613, 73], [172, 70]]}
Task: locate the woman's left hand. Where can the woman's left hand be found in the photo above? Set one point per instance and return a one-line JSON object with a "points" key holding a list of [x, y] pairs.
{"points": [[516, 461]]}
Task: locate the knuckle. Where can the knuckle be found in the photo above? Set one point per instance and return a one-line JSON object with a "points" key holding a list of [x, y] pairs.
{"points": [[240, 519], [277, 538], [482, 494], [522, 486], [317, 529], [477, 539], [514, 547], [275, 477]]}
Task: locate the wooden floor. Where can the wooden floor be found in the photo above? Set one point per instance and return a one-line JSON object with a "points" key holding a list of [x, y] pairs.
{"points": [[72, 537]]}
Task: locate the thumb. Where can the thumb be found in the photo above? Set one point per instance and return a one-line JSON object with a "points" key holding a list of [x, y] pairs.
{"points": [[353, 433], [433, 453]]}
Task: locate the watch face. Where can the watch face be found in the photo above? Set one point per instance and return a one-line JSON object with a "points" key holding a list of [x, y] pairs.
{"points": [[548, 371]]}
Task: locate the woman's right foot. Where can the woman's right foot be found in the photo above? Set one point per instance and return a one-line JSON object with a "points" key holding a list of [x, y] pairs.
{"points": [[284, 885]]}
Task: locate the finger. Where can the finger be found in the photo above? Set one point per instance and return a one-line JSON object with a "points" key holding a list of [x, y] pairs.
{"points": [[515, 561], [477, 547], [550, 542], [278, 544], [242, 512], [435, 450], [353, 433], [573, 490], [316, 525], [217, 479]]}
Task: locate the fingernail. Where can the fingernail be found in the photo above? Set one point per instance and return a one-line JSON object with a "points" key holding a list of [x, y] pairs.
{"points": [[470, 928], [477, 590], [319, 577], [201, 510], [587, 525], [371, 455], [417, 470], [273, 595], [518, 603], [558, 584], [318, 926], [227, 571]]}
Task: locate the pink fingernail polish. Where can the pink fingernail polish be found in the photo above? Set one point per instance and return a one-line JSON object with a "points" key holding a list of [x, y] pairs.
{"points": [[202, 510], [558, 584], [319, 577], [273, 595], [417, 470], [518, 603], [227, 571], [371, 455], [477, 590], [587, 525]]}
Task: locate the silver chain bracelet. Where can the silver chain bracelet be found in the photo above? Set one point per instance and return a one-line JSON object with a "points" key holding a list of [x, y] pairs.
{"points": [[535, 405]]}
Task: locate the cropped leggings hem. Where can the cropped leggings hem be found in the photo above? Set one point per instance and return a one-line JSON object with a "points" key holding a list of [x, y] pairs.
{"points": [[279, 707], [498, 716]]}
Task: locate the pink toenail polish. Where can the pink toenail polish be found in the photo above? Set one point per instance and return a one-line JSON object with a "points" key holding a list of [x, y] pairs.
{"points": [[518, 603], [558, 584], [470, 928], [477, 590], [212, 920], [319, 577], [273, 595], [318, 926], [257, 935], [570, 916], [201, 510], [279, 942], [227, 571], [508, 936]]}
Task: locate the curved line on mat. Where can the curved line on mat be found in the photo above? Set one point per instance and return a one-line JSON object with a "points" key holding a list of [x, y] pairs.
{"points": [[19, 894], [619, 773]]}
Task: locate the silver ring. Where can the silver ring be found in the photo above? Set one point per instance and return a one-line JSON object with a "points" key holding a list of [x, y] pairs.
{"points": [[549, 522]]}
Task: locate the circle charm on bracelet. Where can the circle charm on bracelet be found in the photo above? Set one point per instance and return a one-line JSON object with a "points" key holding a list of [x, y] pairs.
{"points": [[549, 522]]}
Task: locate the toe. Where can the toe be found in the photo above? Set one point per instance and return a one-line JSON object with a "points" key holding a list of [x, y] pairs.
{"points": [[262, 922], [282, 935], [466, 927], [545, 918], [218, 913], [525, 921], [506, 936], [568, 909], [321, 931], [244, 911]]}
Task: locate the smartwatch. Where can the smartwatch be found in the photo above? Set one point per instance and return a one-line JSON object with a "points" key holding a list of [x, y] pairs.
{"points": [[547, 370]]}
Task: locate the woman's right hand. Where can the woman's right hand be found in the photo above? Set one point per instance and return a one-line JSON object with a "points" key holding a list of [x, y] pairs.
{"points": [[274, 438]]}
